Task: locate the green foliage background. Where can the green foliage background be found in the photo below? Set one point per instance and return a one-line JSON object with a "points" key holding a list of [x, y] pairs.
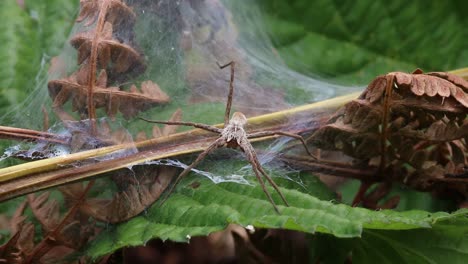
{"points": [[354, 41], [348, 41], [30, 37]]}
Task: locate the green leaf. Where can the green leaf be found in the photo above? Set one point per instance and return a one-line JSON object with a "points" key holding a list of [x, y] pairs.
{"points": [[329, 249], [18, 58], [446, 242], [409, 199], [206, 208], [352, 42], [53, 20], [30, 36], [355, 41]]}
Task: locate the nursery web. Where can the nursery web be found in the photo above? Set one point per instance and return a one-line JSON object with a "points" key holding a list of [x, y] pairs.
{"points": [[181, 42]]}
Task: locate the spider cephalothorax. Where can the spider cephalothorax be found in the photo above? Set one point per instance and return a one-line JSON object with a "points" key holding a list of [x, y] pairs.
{"points": [[234, 131]]}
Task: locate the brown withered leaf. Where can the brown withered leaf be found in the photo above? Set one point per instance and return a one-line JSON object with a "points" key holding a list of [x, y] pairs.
{"points": [[17, 247], [9, 253], [88, 11], [106, 49], [439, 86], [60, 237], [113, 137], [118, 58], [22, 240], [133, 198], [57, 254], [112, 99], [413, 128], [18, 225], [74, 233], [116, 11], [134, 195], [46, 211]]}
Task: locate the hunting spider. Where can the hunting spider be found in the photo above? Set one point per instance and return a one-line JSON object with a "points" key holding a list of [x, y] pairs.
{"points": [[233, 135]]}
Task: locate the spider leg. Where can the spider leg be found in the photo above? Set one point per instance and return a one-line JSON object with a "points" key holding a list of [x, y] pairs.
{"points": [[258, 170], [216, 144], [274, 133], [262, 184], [197, 125], [227, 113], [270, 180]]}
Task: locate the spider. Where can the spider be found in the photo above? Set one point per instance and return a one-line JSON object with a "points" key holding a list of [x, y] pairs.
{"points": [[233, 135]]}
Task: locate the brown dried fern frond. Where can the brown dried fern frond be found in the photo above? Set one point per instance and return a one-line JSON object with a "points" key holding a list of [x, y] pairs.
{"points": [[22, 240], [120, 13], [133, 195], [62, 234], [106, 55], [75, 231], [112, 99], [413, 128]]}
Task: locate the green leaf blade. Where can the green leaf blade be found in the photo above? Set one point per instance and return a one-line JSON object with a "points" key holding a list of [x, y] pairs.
{"points": [[211, 207], [356, 41]]}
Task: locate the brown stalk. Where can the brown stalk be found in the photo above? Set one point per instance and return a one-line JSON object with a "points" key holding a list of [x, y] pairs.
{"points": [[45, 122], [93, 64], [332, 168], [188, 143], [385, 117], [38, 175], [31, 135]]}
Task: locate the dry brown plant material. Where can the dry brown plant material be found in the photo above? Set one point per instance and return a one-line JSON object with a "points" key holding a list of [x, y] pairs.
{"points": [[21, 241], [106, 56], [103, 60], [409, 128], [133, 195], [61, 234], [65, 234]]}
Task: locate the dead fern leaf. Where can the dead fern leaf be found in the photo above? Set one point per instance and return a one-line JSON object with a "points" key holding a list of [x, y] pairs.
{"points": [[90, 9], [88, 12], [106, 49], [133, 195], [46, 211], [112, 99], [22, 240], [413, 128], [114, 56], [132, 199], [74, 233]]}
